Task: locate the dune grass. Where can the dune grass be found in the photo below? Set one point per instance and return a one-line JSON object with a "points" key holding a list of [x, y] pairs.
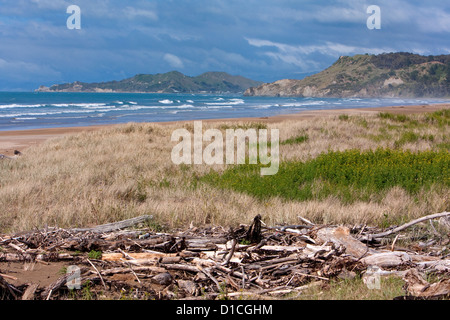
{"points": [[126, 171]]}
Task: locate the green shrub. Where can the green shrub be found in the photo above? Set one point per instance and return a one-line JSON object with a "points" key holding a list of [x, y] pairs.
{"points": [[350, 175]]}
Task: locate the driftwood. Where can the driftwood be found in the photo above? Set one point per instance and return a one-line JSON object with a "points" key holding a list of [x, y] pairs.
{"points": [[417, 286], [7, 291], [30, 291], [387, 259], [341, 236], [405, 226], [47, 293], [109, 227], [24, 257], [214, 263]]}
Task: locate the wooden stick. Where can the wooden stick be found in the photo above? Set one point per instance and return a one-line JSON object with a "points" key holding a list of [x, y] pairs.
{"points": [[181, 267], [134, 273], [126, 255], [12, 245], [7, 277], [230, 255], [306, 220], [54, 286], [99, 274], [312, 276], [404, 226], [393, 242], [211, 277]]}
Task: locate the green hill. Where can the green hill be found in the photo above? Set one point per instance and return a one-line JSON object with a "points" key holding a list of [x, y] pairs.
{"points": [[385, 75], [171, 82]]}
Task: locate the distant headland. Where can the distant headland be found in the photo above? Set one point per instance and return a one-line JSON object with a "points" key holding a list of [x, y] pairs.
{"points": [[170, 82], [388, 75]]}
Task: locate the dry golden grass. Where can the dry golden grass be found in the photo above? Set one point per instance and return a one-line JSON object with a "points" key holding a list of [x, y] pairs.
{"points": [[126, 171]]}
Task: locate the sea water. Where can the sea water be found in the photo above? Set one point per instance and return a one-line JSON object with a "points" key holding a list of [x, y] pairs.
{"points": [[32, 110]]}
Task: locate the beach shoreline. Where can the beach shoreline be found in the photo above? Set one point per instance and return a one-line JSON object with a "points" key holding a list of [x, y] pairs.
{"points": [[22, 139]]}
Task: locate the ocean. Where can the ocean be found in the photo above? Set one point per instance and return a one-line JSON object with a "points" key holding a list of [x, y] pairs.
{"points": [[35, 110]]}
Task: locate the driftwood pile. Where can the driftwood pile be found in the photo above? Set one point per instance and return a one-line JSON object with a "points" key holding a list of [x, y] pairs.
{"points": [[254, 261]]}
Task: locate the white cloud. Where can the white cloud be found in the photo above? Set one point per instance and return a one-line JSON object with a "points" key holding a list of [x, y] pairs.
{"points": [[131, 13], [302, 56], [173, 60]]}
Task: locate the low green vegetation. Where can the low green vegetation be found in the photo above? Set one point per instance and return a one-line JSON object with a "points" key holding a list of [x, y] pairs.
{"points": [[355, 289], [413, 129], [441, 117], [349, 175], [244, 126], [95, 255], [393, 117], [296, 140]]}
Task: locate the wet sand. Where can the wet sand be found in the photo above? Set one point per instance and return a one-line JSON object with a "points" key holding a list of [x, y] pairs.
{"points": [[21, 140]]}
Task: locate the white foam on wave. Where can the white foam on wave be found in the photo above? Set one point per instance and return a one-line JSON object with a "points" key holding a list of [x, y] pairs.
{"points": [[13, 106], [54, 105], [215, 107], [185, 106], [166, 101], [225, 103], [48, 113], [266, 106]]}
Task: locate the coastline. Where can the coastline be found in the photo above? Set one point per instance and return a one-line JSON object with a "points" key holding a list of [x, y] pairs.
{"points": [[22, 139]]}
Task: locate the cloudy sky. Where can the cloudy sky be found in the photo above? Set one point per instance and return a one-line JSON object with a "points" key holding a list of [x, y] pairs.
{"points": [[264, 40]]}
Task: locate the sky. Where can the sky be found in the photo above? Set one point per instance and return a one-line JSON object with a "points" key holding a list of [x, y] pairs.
{"points": [[264, 40]]}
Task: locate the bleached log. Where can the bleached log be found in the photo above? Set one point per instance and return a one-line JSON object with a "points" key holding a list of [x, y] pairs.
{"points": [[137, 256], [340, 236], [387, 259], [282, 248], [437, 265], [109, 227], [29, 292], [19, 257]]}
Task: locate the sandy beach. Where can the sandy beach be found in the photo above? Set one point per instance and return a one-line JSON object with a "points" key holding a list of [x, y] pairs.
{"points": [[21, 140]]}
